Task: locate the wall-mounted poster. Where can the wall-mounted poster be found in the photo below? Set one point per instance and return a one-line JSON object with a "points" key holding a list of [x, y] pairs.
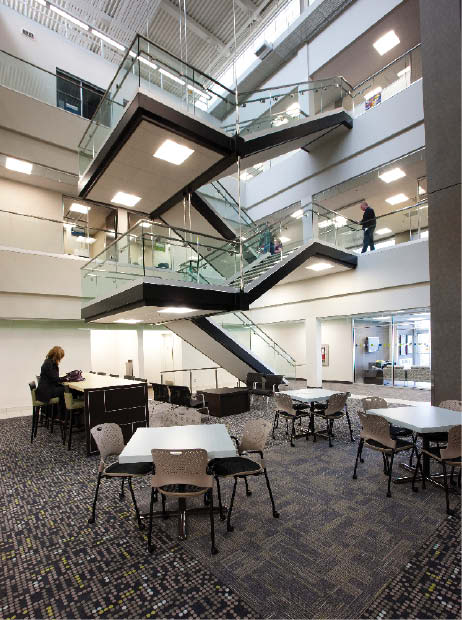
{"points": [[373, 101], [325, 354]]}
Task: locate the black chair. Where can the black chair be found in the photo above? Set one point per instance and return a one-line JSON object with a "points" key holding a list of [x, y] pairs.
{"points": [[130, 377], [140, 379], [180, 395], [101, 373], [46, 409], [110, 375], [161, 392]]}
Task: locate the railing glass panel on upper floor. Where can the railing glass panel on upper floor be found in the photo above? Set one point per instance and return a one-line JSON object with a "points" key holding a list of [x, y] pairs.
{"points": [[392, 79], [148, 68]]}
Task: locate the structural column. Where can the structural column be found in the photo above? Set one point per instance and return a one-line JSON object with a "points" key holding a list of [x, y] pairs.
{"points": [[139, 333], [313, 352], [441, 63]]}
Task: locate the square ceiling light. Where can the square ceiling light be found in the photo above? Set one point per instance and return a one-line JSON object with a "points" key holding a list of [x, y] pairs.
{"points": [[128, 200], [18, 165], [128, 321], [78, 208], [392, 175], [383, 231], [320, 266], [173, 152], [176, 310], [387, 42], [396, 199]]}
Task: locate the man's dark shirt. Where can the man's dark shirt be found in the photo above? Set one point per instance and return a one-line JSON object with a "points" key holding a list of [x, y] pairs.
{"points": [[368, 218]]}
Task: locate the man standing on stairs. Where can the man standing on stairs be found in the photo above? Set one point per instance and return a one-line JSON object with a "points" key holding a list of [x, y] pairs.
{"points": [[368, 223]]}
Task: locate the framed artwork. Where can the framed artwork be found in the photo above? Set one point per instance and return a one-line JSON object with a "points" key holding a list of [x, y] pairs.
{"points": [[325, 354]]}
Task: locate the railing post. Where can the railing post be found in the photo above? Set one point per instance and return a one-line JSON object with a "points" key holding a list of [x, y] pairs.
{"points": [[161, 379], [216, 378]]}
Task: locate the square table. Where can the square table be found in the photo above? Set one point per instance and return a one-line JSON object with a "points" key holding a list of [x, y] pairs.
{"points": [[310, 395], [421, 419], [211, 437]]}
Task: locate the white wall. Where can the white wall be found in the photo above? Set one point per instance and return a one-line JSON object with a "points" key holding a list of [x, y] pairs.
{"points": [[24, 347], [110, 349], [338, 334], [291, 338]]}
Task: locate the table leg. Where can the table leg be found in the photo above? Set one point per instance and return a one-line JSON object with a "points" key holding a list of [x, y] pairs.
{"points": [[425, 467], [182, 519]]}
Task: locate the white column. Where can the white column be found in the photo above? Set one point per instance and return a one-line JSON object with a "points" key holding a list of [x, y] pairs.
{"points": [[140, 331], [313, 352], [122, 220]]}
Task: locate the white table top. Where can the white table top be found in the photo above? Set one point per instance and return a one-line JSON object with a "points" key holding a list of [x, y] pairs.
{"points": [[93, 381], [422, 418], [310, 394], [211, 437]]}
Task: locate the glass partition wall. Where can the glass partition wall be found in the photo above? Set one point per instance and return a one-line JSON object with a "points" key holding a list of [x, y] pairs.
{"points": [[393, 348]]}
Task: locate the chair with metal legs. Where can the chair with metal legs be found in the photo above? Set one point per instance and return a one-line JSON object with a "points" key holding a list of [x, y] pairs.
{"points": [[39, 407], [450, 455], [110, 442], [375, 434], [291, 412], [181, 474], [336, 408], [252, 442]]}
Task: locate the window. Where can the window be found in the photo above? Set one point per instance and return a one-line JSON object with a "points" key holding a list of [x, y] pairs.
{"points": [[75, 95]]}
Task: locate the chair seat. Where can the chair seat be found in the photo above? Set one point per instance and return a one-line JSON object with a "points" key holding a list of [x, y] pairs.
{"points": [[400, 445], [52, 401], [234, 466], [128, 469], [398, 431], [435, 453]]}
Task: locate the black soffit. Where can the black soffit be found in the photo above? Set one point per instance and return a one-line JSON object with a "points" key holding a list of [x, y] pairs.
{"points": [[173, 293]]}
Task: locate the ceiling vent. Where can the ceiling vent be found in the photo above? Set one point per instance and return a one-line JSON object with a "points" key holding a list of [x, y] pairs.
{"points": [[28, 33], [264, 49]]}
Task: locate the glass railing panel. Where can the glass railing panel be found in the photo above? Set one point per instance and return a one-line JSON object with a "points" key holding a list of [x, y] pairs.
{"points": [[276, 107], [225, 206], [389, 81]]}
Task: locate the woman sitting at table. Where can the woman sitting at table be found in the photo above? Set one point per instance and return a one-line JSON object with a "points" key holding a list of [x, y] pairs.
{"points": [[49, 385]]}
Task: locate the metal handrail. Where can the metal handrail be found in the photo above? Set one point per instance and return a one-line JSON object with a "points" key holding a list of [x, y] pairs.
{"points": [[293, 85], [191, 370], [385, 67]]}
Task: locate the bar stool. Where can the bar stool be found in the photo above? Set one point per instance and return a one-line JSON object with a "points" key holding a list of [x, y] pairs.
{"points": [[74, 407], [37, 407]]}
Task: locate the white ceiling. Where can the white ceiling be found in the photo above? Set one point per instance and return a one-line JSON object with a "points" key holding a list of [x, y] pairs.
{"points": [[134, 170], [209, 25], [303, 273]]}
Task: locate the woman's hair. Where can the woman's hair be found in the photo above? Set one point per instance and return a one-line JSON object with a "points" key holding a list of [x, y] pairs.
{"points": [[56, 354]]}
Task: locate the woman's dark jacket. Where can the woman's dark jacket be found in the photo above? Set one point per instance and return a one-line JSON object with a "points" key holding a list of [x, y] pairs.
{"points": [[49, 383]]}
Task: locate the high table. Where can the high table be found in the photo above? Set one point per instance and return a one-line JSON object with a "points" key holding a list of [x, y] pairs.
{"points": [[112, 399], [422, 419], [310, 395], [211, 437]]}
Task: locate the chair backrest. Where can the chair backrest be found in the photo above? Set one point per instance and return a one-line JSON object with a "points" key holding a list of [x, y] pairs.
{"points": [[33, 387], [68, 398], [454, 448], [181, 467], [255, 435], [129, 377], [272, 382], [177, 418], [161, 392], [284, 403], [100, 373], [336, 402], [454, 405], [253, 377], [108, 438], [113, 375], [180, 395], [373, 402], [377, 428]]}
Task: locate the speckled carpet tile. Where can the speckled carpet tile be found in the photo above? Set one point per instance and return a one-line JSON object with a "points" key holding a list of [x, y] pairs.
{"points": [[55, 565]]}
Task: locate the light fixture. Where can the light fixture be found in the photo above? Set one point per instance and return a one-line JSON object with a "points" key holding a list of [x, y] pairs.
{"points": [[70, 18], [172, 77], [293, 109], [86, 239], [392, 175], [324, 223], [374, 91], [128, 321], [128, 200], [383, 231], [173, 152], [284, 239], [297, 214], [320, 266], [146, 62], [78, 208], [381, 318], [396, 199], [18, 165], [386, 42], [403, 71], [104, 37], [176, 310]]}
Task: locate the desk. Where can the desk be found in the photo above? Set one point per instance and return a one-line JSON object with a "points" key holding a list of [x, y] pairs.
{"points": [[112, 399], [310, 395], [226, 401], [211, 437], [421, 419]]}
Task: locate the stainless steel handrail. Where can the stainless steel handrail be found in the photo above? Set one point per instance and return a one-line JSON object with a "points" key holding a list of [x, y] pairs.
{"points": [[371, 77], [191, 370]]}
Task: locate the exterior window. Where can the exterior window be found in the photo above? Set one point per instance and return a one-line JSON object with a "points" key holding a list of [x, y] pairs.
{"points": [[75, 95]]}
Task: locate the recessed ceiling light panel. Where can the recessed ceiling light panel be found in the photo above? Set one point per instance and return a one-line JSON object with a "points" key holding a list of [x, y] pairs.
{"points": [[173, 152], [320, 266], [128, 200], [128, 321], [176, 310], [396, 199], [387, 42], [78, 208], [18, 165], [392, 175]]}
